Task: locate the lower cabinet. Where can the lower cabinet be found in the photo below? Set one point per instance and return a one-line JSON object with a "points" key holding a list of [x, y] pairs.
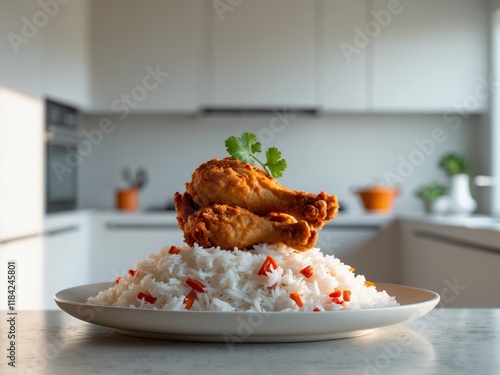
{"points": [[117, 242], [66, 259], [458, 263], [22, 261], [373, 250]]}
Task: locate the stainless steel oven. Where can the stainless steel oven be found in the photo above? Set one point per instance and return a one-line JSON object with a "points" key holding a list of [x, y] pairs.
{"points": [[62, 138]]}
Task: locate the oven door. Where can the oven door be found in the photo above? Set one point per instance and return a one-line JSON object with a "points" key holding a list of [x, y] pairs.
{"points": [[61, 176]]}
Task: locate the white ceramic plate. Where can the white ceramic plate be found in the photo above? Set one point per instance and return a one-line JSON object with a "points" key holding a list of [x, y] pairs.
{"points": [[236, 327]]}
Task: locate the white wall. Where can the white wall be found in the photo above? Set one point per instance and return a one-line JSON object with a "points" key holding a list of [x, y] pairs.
{"points": [[332, 153]]}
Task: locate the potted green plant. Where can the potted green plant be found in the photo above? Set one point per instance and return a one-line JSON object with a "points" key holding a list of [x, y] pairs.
{"points": [[458, 168], [430, 194], [455, 164]]}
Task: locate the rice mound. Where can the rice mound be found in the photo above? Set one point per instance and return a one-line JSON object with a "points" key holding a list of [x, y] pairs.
{"points": [[232, 283]]}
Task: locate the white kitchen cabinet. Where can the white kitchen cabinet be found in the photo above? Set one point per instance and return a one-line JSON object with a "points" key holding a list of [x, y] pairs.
{"points": [[146, 56], [28, 256], [118, 241], [373, 249], [342, 68], [66, 54], [262, 54], [343, 242], [66, 254], [21, 47], [428, 56], [455, 262], [21, 164]]}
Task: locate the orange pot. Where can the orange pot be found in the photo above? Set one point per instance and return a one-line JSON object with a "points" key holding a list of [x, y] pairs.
{"points": [[378, 198], [127, 199]]}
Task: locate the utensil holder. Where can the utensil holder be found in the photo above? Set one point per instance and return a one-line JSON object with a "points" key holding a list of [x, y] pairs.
{"points": [[127, 199]]}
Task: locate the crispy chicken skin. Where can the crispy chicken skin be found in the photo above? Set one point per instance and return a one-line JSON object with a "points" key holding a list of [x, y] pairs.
{"points": [[184, 206], [232, 182], [230, 227]]}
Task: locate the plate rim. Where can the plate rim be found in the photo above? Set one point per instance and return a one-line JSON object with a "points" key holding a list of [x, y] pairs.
{"points": [[273, 326]]}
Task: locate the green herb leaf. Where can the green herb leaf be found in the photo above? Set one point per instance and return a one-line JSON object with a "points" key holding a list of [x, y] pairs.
{"points": [[275, 162], [245, 147]]}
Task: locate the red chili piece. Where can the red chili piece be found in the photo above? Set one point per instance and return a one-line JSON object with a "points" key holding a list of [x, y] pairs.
{"points": [[196, 285], [347, 295], [188, 301], [266, 266], [297, 299], [174, 250], [307, 272], [131, 272], [147, 297], [336, 293]]}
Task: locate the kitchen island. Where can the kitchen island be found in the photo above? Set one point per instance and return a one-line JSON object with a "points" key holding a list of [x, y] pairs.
{"points": [[446, 341]]}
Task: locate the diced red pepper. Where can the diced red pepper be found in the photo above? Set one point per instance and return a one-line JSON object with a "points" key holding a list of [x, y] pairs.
{"points": [[174, 250], [337, 301], [268, 266], [316, 309], [188, 301], [147, 297], [336, 293], [347, 295], [297, 299], [118, 279], [131, 272], [307, 272], [196, 285]]}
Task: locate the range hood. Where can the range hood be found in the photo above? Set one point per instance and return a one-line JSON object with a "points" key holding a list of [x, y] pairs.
{"points": [[259, 111]]}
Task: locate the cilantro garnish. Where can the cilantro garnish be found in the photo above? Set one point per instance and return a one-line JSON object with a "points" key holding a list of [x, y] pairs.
{"points": [[245, 147]]}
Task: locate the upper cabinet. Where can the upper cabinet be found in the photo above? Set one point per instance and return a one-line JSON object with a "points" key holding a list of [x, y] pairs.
{"points": [[403, 56], [262, 53], [66, 54], [342, 67], [118, 56], [428, 55], [145, 55], [21, 47], [46, 49]]}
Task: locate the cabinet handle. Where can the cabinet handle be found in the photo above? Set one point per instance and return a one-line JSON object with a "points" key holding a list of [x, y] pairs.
{"points": [[20, 238], [139, 226], [374, 227], [55, 232], [456, 241]]}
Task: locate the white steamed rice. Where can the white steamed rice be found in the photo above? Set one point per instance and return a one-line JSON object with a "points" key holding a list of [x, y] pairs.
{"points": [[232, 282]]}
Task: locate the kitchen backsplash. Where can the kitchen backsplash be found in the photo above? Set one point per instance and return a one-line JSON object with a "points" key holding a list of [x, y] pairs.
{"points": [[335, 153]]}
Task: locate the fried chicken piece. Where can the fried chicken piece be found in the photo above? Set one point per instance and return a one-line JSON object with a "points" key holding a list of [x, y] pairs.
{"points": [[184, 206], [230, 181], [230, 227]]}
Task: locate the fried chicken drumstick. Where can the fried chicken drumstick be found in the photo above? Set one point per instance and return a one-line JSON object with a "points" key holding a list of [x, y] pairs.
{"points": [[232, 182], [230, 227]]}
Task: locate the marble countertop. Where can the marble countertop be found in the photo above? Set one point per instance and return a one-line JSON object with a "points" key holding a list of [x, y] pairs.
{"points": [[446, 341]]}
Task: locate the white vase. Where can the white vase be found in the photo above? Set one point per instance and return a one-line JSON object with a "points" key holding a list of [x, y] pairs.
{"points": [[461, 201], [441, 206]]}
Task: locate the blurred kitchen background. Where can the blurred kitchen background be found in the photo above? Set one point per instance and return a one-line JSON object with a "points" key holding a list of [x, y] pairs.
{"points": [[96, 95]]}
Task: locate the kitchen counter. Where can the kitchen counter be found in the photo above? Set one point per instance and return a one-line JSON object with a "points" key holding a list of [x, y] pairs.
{"points": [[446, 341]]}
